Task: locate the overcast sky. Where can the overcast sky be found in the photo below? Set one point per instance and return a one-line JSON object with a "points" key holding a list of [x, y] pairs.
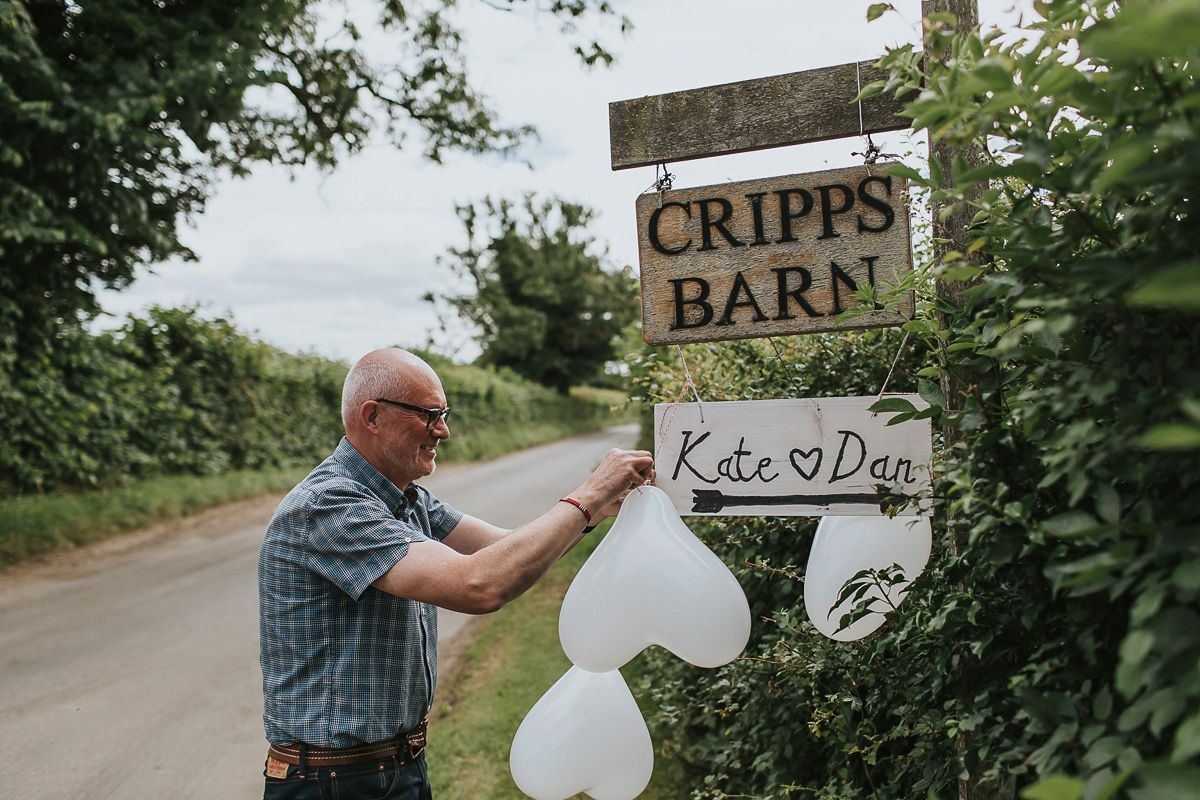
{"points": [[337, 263]]}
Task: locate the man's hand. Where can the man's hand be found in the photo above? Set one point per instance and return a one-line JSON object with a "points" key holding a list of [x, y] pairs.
{"points": [[479, 567], [619, 473]]}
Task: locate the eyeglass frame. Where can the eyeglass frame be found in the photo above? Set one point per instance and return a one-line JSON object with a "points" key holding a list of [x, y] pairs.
{"points": [[432, 415]]}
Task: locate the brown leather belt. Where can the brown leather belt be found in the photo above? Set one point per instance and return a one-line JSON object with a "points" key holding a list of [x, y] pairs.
{"points": [[407, 745]]}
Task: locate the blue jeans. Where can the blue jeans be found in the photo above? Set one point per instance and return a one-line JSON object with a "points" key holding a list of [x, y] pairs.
{"points": [[381, 779]]}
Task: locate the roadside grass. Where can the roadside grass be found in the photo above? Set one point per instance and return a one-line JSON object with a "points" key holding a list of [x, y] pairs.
{"points": [[514, 660], [32, 525]]}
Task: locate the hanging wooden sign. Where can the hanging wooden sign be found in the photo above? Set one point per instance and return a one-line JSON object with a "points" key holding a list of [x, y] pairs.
{"points": [[818, 457], [771, 257]]}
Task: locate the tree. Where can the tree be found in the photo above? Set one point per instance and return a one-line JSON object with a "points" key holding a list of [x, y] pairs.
{"points": [[116, 117], [544, 304]]}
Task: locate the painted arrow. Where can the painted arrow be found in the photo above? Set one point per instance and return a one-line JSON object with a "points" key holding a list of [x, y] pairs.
{"points": [[712, 501]]}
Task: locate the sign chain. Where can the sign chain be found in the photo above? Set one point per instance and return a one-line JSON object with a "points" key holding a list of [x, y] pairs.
{"points": [[873, 152], [663, 184]]}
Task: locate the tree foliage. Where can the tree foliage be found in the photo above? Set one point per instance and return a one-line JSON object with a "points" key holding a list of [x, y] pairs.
{"points": [[544, 304], [116, 117], [1052, 647]]}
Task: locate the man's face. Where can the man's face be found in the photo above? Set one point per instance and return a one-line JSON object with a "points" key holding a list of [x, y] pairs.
{"points": [[407, 443]]}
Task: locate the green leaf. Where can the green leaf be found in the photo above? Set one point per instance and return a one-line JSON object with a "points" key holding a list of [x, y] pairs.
{"points": [[1177, 287], [1166, 782], [1187, 739], [1054, 787], [1104, 751], [931, 393], [1072, 523], [892, 404], [903, 171], [1170, 436], [1136, 646], [877, 10], [1187, 575], [1144, 32]]}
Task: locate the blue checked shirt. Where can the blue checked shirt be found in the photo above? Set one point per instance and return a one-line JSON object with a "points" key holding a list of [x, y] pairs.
{"points": [[345, 664]]}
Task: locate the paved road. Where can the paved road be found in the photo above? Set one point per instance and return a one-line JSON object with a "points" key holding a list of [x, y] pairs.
{"points": [[130, 669]]}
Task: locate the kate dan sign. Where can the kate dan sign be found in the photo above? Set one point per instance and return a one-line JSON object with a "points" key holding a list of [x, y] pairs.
{"points": [[818, 457]]}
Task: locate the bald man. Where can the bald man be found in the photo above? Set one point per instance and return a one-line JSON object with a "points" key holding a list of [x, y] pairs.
{"points": [[352, 567]]}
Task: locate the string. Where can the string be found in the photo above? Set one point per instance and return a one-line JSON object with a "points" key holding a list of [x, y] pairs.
{"points": [[895, 361], [690, 383], [783, 362], [858, 81], [669, 414]]}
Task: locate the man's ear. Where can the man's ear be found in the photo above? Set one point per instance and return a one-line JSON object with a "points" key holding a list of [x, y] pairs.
{"points": [[368, 415]]}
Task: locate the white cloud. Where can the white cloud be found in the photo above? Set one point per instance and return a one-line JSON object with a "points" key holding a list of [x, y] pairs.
{"points": [[337, 263]]}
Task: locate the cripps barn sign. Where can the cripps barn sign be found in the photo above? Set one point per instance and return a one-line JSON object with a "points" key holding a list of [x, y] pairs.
{"points": [[771, 257]]}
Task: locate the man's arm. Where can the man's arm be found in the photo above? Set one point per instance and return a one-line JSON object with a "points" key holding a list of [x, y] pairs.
{"points": [[480, 567]]}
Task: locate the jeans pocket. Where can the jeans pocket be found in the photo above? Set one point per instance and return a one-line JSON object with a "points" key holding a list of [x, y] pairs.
{"points": [[371, 780], [289, 787]]}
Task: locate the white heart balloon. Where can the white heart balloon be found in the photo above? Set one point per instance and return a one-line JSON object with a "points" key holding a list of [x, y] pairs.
{"points": [[651, 581], [845, 546], [586, 734]]}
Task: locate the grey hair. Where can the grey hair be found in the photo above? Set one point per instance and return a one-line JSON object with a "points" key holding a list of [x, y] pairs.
{"points": [[373, 377]]}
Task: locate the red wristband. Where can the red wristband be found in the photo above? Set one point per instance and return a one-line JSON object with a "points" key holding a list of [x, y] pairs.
{"points": [[587, 514]]}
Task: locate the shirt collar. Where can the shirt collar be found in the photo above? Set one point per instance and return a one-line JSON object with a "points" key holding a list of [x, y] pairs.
{"points": [[392, 495]]}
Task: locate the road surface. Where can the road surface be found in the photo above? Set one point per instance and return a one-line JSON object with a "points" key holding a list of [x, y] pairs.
{"points": [[129, 669]]}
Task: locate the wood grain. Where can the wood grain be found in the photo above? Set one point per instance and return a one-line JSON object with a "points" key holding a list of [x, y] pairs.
{"points": [[809, 106]]}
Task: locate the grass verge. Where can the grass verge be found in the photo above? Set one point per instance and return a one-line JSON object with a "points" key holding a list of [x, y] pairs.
{"points": [[515, 659], [37, 524]]}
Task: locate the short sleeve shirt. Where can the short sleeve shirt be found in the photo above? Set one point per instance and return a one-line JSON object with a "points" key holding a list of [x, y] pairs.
{"points": [[344, 663]]}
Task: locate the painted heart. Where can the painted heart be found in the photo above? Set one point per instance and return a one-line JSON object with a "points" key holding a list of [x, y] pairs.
{"points": [[586, 734], [806, 456], [845, 546], [651, 581]]}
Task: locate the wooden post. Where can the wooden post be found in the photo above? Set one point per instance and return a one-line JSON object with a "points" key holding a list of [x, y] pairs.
{"points": [[954, 230]]}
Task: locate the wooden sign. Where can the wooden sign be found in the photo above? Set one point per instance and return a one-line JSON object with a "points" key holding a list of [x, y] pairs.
{"points": [[799, 107], [771, 257], [818, 457]]}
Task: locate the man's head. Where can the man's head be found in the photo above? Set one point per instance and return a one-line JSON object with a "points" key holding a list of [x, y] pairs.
{"points": [[400, 442]]}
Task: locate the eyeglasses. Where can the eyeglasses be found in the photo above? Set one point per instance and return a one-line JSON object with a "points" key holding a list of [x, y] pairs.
{"points": [[432, 415]]}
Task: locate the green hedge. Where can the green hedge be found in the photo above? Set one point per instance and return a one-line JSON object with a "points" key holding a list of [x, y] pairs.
{"points": [[1051, 649], [177, 393], [172, 393]]}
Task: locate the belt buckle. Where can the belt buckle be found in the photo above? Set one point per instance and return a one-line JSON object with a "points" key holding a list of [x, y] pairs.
{"points": [[415, 739]]}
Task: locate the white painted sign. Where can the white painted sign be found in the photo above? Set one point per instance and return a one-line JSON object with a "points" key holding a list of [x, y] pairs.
{"points": [[810, 457]]}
